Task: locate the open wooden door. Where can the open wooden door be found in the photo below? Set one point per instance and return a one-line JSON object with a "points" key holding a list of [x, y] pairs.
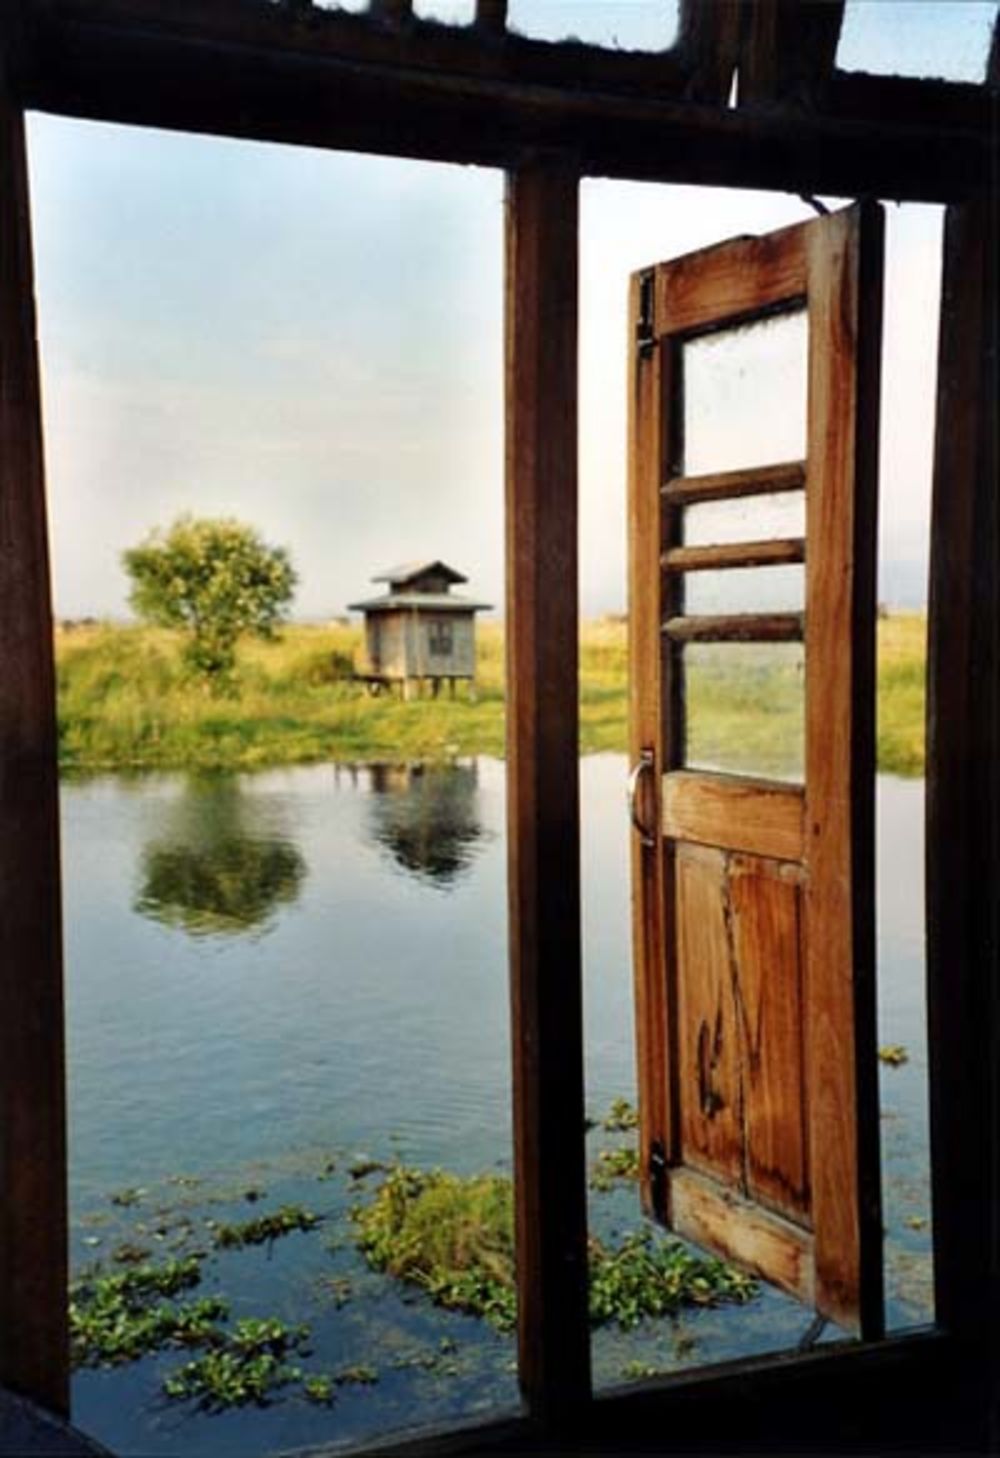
{"points": [[754, 444]]}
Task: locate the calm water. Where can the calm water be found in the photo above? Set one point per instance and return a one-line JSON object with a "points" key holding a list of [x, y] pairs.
{"points": [[271, 975]]}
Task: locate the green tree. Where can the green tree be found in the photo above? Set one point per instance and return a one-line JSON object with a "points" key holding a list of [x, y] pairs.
{"points": [[214, 578]]}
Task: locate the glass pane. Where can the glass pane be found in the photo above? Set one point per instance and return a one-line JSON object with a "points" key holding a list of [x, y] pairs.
{"points": [[912, 38], [630, 25], [744, 519], [746, 590], [450, 12], [745, 395], [744, 707]]}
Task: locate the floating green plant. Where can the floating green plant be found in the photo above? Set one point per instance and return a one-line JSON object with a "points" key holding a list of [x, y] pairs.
{"points": [[613, 1165], [894, 1054], [264, 1228], [247, 1364], [120, 1316], [453, 1237], [621, 1117]]}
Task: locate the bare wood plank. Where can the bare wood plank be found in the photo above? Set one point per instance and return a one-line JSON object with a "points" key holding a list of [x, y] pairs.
{"points": [[648, 688], [757, 481], [737, 628], [391, 12], [34, 1345], [737, 814], [776, 552], [767, 928], [709, 41], [788, 52], [963, 792], [730, 281], [250, 69], [761, 1241], [845, 331], [710, 1090], [491, 16], [543, 790]]}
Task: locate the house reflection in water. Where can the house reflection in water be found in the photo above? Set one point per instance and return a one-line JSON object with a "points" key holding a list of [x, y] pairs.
{"points": [[427, 817], [219, 868]]}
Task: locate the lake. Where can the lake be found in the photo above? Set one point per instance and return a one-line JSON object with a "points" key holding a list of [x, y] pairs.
{"points": [[272, 978]]}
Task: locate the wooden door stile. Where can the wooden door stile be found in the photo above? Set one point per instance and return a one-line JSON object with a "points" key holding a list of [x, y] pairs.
{"points": [[543, 791], [845, 305], [34, 1341]]}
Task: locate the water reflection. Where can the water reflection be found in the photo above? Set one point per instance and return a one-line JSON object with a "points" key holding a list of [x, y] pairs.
{"points": [[219, 868], [428, 817]]}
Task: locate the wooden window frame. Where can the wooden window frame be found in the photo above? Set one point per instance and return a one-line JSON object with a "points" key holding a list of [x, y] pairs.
{"points": [[549, 115]]}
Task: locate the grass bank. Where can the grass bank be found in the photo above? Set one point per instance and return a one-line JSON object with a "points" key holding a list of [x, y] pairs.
{"points": [[127, 701]]}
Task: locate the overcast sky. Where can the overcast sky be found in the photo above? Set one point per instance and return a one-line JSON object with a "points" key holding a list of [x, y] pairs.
{"points": [[313, 341]]}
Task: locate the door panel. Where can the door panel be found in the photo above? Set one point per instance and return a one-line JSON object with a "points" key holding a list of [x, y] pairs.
{"points": [[753, 899]]}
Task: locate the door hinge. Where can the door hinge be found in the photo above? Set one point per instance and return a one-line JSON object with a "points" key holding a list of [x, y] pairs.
{"points": [[645, 337]]}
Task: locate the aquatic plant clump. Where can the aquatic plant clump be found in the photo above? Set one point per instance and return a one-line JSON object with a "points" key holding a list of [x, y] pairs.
{"points": [[121, 1316], [454, 1237], [264, 1228]]}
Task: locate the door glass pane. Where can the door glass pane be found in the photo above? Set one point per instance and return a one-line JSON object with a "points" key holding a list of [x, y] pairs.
{"points": [[746, 590], [745, 395], [744, 708], [744, 519]]}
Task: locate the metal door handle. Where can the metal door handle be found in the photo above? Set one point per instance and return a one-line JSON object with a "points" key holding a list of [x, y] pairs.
{"points": [[644, 763]]}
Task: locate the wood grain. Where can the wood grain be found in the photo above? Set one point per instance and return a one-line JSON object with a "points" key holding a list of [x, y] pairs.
{"points": [[543, 791], [740, 1230], [776, 552], [734, 813], [845, 332], [34, 1345], [649, 678], [710, 1094], [767, 929], [721, 485], [725, 283], [737, 628]]}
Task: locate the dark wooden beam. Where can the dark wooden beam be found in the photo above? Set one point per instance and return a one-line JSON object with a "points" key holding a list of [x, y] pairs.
{"points": [[543, 792], [709, 41], [963, 796], [329, 79], [788, 52], [34, 1352], [491, 16]]}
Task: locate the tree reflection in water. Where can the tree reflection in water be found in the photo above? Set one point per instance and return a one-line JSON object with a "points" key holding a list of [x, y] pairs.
{"points": [[427, 817], [220, 869]]}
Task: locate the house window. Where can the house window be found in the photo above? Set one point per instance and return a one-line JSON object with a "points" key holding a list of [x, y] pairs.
{"points": [[441, 640]]}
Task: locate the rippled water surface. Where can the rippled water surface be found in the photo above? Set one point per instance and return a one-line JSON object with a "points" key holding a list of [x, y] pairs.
{"points": [[272, 975]]}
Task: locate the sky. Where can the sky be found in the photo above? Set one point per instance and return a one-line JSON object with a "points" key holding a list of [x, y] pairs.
{"points": [[313, 341]]}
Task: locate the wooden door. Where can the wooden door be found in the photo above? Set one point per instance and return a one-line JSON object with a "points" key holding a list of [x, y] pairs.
{"points": [[752, 736]]}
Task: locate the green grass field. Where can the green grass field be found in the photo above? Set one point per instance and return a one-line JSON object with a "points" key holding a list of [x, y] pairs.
{"points": [[126, 701]]}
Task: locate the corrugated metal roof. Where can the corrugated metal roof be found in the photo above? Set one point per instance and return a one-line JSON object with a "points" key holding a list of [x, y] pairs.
{"points": [[406, 571], [435, 602]]}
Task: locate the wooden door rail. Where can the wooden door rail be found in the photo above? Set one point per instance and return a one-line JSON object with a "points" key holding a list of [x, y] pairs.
{"points": [[738, 628], [755, 481], [779, 552]]}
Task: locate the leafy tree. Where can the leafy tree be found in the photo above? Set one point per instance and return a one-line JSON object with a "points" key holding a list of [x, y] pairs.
{"points": [[215, 578]]}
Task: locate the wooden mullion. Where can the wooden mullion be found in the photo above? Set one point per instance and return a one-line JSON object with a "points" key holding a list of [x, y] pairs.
{"points": [[34, 1345], [391, 12], [723, 485], [788, 52], [845, 302], [737, 628], [963, 795], [491, 16], [543, 792], [775, 553], [708, 41]]}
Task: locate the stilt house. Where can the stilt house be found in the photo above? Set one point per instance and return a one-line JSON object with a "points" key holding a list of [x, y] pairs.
{"points": [[419, 631]]}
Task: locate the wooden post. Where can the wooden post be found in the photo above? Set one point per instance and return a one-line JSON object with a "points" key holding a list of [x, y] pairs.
{"points": [[33, 1318], [543, 791], [963, 797]]}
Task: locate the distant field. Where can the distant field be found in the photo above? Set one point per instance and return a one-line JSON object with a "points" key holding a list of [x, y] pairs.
{"points": [[126, 701]]}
